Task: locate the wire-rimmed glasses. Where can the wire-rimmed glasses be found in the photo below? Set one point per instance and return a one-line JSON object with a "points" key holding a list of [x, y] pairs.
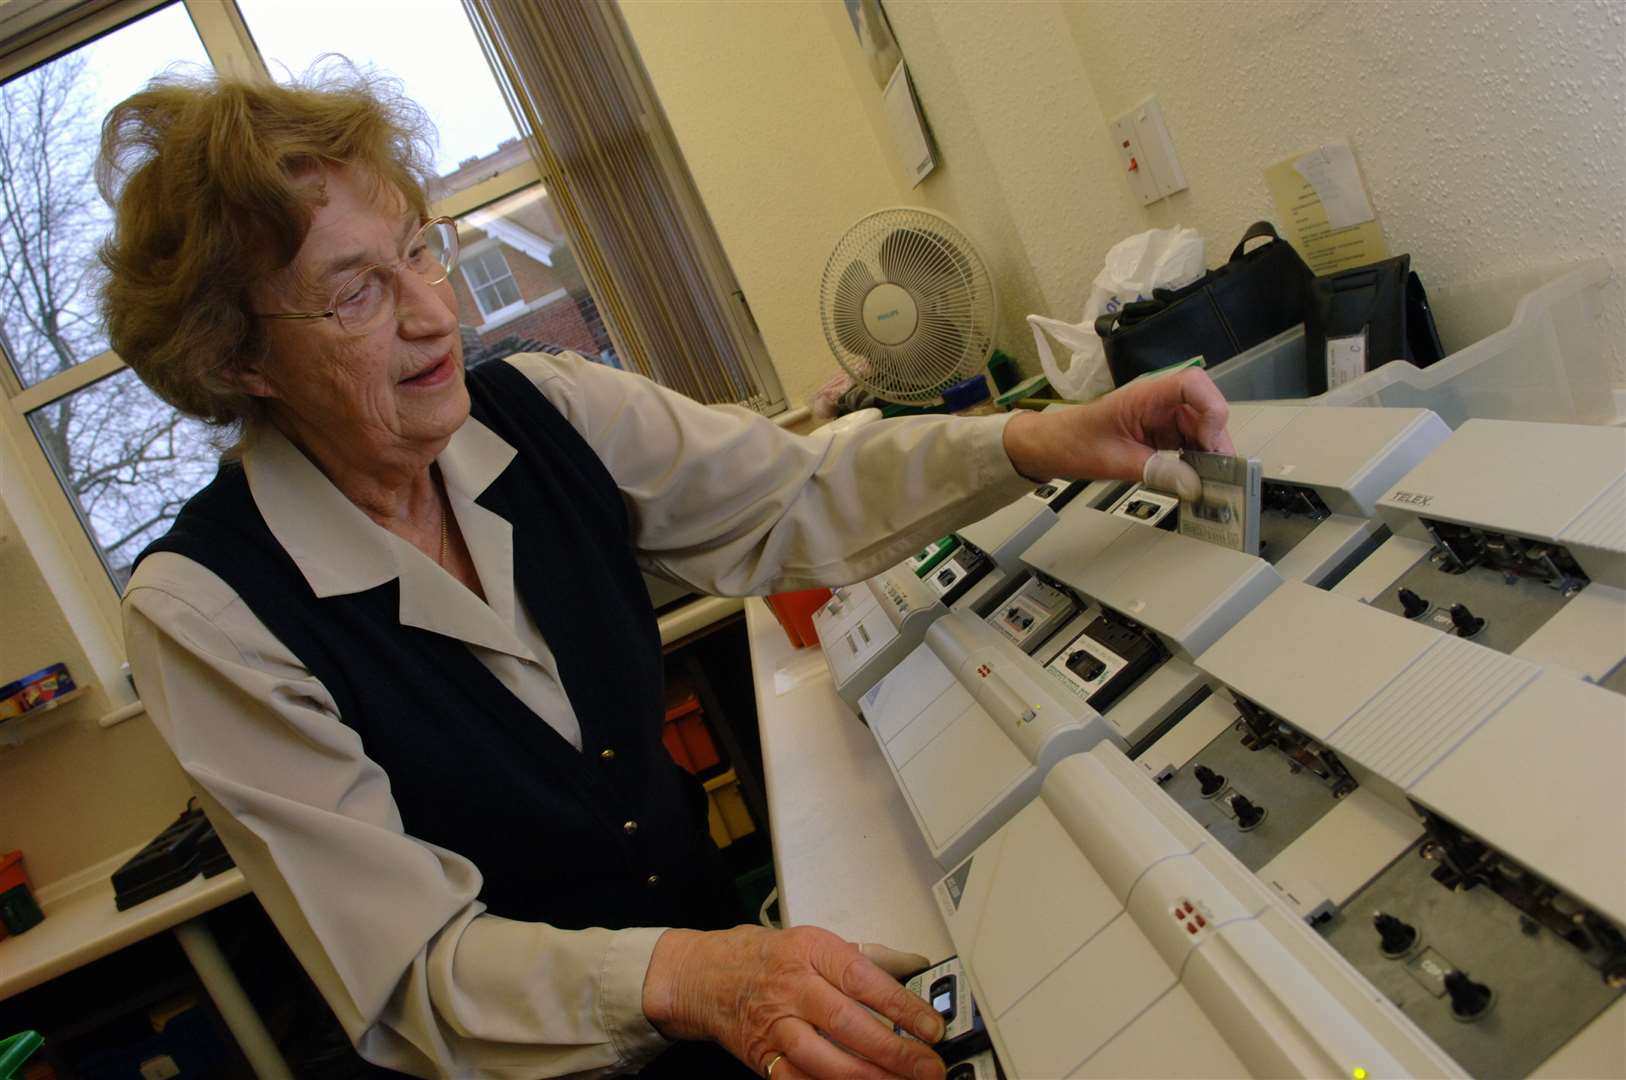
{"points": [[367, 297]]}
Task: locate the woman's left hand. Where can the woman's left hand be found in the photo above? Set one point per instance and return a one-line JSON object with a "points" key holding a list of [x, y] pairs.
{"points": [[1112, 437]]}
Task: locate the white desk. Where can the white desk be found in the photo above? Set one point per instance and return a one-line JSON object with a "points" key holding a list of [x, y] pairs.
{"points": [[846, 852], [82, 924]]}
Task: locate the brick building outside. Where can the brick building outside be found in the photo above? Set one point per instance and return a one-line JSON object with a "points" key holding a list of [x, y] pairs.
{"points": [[517, 283]]}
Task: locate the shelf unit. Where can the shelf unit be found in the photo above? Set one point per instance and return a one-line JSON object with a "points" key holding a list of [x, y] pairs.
{"points": [[19, 729]]}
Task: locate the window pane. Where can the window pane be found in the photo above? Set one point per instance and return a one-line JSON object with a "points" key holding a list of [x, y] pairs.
{"points": [[51, 217], [427, 44], [505, 292], [525, 262], [488, 300], [127, 460], [482, 267]]}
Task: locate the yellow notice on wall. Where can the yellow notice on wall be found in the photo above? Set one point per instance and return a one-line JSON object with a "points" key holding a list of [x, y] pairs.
{"points": [[1325, 210]]}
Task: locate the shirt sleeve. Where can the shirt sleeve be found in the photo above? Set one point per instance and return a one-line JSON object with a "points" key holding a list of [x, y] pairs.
{"points": [[387, 926], [728, 502]]}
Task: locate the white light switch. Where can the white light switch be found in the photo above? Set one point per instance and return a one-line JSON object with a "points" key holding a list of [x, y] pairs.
{"points": [[1147, 153], [1129, 157]]}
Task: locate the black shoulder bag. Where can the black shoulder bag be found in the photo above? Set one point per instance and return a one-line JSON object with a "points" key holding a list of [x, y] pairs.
{"points": [[1254, 296]]}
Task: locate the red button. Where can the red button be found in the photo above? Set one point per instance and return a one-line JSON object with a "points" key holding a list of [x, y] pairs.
{"points": [[1201, 921], [1190, 929]]}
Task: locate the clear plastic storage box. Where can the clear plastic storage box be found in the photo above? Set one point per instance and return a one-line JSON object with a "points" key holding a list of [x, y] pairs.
{"points": [[1543, 349]]}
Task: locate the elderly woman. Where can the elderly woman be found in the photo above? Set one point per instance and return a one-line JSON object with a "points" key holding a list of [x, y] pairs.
{"points": [[401, 645]]}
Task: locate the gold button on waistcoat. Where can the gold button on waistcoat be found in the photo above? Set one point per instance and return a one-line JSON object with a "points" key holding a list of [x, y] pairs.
{"points": [[629, 827], [607, 755], [652, 880]]}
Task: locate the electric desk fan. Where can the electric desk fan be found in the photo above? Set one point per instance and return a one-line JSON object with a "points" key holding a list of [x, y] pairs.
{"points": [[907, 305]]}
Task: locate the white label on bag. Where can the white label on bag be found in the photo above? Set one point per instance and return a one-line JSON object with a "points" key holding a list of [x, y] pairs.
{"points": [[1346, 359]]}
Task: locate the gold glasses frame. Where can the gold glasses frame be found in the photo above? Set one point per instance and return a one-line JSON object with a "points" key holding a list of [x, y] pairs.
{"points": [[439, 270]]}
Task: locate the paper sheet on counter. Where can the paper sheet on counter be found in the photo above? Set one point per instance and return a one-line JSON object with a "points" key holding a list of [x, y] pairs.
{"points": [[1325, 209], [801, 666]]}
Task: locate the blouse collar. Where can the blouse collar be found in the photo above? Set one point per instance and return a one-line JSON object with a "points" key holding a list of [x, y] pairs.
{"points": [[340, 550]]}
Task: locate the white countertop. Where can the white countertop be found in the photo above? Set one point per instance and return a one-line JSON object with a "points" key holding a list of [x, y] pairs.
{"points": [[82, 924], [846, 851]]}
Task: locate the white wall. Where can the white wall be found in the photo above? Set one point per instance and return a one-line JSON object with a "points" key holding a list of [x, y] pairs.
{"points": [[1493, 134], [77, 794], [780, 123]]}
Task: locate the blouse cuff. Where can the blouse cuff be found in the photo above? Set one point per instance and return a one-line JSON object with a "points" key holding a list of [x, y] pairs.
{"points": [[621, 994], [994, 470]]}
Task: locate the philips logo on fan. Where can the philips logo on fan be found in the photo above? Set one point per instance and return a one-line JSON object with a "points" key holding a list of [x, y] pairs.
{"points": [[886, 314]]}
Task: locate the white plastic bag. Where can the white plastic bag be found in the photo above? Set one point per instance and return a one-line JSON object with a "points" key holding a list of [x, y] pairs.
{"points": [[1155, 259]]}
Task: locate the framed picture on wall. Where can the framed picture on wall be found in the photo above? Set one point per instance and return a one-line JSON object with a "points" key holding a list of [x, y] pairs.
{"points": [[875, 36]]}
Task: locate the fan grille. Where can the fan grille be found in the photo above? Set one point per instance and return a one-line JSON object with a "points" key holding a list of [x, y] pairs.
{"points": [[933, 261]]}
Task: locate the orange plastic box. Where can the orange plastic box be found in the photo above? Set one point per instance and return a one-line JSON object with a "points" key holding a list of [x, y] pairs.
{"points": [[794, 610], [686, 737], [19, 908]]}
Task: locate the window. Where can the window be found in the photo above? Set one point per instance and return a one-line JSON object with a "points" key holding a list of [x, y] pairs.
{"points": [[128, 461], [125, 460], [51, 217], [518, 239], [493, 283], [515, 253], [428, 45], [107, 463]]}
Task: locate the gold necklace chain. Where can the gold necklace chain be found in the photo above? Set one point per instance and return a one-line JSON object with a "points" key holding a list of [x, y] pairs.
{"points": [[443, 517]]}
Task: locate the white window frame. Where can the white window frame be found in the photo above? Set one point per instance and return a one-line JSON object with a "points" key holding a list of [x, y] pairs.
{"points": [[31, 495], [514, 311], [464, 261]]}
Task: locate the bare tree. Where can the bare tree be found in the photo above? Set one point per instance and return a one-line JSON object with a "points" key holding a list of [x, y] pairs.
{"points": [[128, 459]]}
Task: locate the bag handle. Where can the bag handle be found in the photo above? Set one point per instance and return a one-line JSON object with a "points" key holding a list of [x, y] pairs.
{"points": [[1131, 313], [1255, 231]]}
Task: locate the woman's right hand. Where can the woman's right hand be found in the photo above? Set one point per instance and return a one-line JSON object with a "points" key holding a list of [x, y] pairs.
{"points": [[801, 993]]}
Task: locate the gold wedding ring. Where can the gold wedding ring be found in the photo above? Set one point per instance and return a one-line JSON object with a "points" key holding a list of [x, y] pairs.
{"points": [[768, 1070]]}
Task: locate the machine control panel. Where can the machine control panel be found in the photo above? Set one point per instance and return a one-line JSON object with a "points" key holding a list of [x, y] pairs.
{"points": [[945, 988], [1031, 614], [1513, 536], [1142, 504], [1493, 587], [1107, 935], [983, 1065], [933, 553], [1397, 816], [1496, 964], [1058, 493], [1108, 657], [952, 578]]}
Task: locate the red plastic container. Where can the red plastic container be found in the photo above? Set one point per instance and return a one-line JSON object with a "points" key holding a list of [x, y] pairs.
{"points": [[794, 610], [686, 736], [11, 876], [11, 871]]}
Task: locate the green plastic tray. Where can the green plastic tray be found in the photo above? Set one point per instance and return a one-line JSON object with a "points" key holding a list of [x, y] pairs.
{"points": [[16, 1050]]}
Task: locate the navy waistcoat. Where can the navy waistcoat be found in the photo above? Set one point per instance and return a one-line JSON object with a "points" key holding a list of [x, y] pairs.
{"points": [[470, 766]]}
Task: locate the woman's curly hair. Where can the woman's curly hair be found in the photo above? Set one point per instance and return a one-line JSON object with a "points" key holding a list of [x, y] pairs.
{"points": [[208, 180]]}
